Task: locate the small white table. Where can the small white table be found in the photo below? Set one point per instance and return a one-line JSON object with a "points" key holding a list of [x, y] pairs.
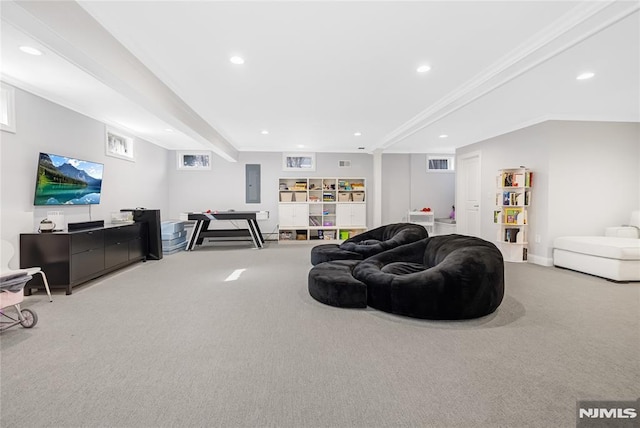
{"points": [[424, 218]]}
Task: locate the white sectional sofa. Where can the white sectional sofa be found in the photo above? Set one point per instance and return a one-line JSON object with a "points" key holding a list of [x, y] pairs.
{"points": [[615, 256]]}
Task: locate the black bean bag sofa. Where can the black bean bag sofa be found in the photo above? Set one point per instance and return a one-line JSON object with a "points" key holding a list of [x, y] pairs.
{"points": [[369, 243], [446, 277]]}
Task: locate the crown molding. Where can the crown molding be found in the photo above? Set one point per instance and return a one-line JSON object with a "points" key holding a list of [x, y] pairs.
{"points": [[581, 22]]}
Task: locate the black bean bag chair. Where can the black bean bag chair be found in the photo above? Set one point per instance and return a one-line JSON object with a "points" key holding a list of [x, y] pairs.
{"points": [[444, 277], [333, 283], [369, 243]]}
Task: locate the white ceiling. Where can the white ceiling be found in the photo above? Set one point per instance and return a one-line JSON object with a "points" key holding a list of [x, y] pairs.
{"points": [[316, 72]]}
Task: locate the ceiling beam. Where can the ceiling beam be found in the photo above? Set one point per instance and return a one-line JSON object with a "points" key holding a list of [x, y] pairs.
{"points": [[70, 31]]}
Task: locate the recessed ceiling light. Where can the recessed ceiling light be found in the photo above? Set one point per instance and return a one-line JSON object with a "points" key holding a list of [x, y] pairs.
{"points": [[357, 134], [443, 136], [236, 60], [300, 146], [168, 130], [264, 132], [423, 68], [585, 76], [29, 50]]}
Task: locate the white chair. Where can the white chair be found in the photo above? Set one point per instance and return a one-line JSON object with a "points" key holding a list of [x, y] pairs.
{"points": [[7, 255]]}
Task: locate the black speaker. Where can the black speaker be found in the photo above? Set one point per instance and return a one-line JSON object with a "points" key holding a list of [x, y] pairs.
{"points": [[85, 225], [154, 232]]}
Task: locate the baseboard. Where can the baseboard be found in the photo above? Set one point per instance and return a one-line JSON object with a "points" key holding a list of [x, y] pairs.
{"points": [[539, 260]]}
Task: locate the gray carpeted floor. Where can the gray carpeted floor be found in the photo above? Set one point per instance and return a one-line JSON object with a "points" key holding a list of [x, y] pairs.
{"points": [[171, 344]]}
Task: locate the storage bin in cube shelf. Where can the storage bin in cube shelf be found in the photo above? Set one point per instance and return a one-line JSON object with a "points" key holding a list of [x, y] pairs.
{"points": [[300, 196], [329, 235], [286, 196], [286, 235], [358, 196], [344, 197]]}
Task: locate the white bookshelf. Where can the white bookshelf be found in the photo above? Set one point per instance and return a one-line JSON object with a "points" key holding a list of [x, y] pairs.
{"points": [[321, 208], [513, 198]]}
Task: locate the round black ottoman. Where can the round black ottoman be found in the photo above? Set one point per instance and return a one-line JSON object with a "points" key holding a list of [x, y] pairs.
{"points": [[332, 283], [328, 252]]}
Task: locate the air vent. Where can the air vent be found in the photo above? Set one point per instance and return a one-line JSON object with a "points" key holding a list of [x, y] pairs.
{"points": [[344, 164], [440, 163]]}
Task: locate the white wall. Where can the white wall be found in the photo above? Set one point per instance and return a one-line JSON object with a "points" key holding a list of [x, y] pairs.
{"points": [[594, 172], [44, 126], [223, 187], [435, 190], [396, 187], [406, 185], [586, 177]]}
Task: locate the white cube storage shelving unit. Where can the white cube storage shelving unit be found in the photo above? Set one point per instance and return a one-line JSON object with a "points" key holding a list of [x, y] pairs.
{"points": [[318, 208]]}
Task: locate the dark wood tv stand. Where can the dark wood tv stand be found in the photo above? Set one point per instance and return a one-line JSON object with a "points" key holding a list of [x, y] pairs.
{"points": [[72, 258]]}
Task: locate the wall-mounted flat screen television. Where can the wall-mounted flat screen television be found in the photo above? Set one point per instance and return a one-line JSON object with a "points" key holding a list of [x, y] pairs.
{"points": [[67, 181]]}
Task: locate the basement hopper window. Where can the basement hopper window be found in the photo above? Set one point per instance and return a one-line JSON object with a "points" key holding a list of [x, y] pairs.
{"points": [[7, 109]]}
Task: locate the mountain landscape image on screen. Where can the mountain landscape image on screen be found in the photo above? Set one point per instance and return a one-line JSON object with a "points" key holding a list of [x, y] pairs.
{"points": [[67, 181]]}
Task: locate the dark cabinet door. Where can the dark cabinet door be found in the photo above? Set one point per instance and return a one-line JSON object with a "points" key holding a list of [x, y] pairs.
{"points": [[116, 254], [121, 234], [48, 251], [86, 264], [89, 240], [69, 259], [137, 248]]}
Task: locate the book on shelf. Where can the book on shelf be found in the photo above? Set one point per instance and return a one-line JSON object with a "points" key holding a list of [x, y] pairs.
{"points": [[514, 216], [513, 198], [515, 179], [506, 198], [507, 179], [517, 198], [497, 216], [511, 235]]}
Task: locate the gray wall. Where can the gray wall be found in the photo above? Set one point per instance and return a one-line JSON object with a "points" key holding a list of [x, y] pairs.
{"points": [[433, 189], [406, 185], [586, 177], [44, 126], [223, 187], [396, 187]]}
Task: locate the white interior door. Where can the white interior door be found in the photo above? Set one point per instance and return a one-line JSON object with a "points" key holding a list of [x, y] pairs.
{"points": [[468, 194]]}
